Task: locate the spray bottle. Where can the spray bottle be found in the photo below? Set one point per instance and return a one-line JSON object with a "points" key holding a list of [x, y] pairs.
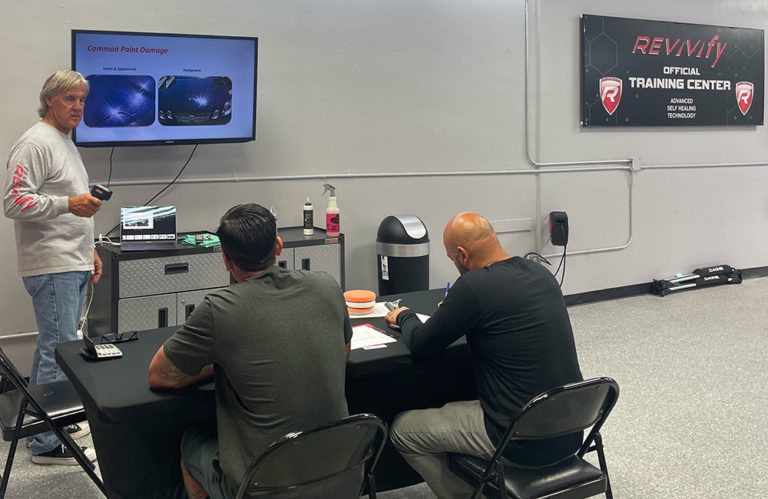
{"points": [[332, 224]]}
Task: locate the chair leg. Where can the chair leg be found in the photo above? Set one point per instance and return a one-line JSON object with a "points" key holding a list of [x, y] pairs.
{"points": [[501, 484], [603, 465], [83, 461], [12, 449], [371, 487], [478, 493]]}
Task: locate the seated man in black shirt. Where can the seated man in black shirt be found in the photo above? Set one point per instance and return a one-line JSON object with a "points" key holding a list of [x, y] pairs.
{"points": [[520, 342]]}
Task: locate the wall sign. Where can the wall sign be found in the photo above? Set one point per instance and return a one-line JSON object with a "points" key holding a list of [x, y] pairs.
{"points": [[638, 73]]}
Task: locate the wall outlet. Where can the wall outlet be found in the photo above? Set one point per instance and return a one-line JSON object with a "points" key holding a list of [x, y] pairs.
{"points": [[558, 228], [556, 221]]}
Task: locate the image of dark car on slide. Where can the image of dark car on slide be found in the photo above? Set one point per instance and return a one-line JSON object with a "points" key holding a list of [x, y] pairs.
{"points": [[185, 100]]}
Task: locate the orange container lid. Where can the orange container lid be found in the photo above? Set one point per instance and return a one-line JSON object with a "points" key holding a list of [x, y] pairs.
{"points": [[359, 296]]}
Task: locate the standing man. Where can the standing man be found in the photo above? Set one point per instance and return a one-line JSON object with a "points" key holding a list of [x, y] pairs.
{"points": [[276, 341], [46, 193], [520, 343]]}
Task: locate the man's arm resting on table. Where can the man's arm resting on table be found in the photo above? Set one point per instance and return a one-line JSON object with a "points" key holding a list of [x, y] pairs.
{"points": [[164, 374], [452, 320]]}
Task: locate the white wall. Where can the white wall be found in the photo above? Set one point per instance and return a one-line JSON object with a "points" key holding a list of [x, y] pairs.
{"points": [[395, 86]]}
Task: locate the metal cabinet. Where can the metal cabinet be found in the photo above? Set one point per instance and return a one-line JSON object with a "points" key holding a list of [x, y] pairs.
{"points": [[150, 289], [315, 252]]}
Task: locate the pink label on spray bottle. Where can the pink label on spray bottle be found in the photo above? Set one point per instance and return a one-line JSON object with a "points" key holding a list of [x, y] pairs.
{"points": [[332, 224]]}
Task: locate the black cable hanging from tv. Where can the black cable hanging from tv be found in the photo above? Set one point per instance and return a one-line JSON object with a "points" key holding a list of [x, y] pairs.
{"points": [[161, 190], [109, 178]]}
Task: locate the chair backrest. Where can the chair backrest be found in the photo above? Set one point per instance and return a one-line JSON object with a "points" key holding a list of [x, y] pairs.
{"points": [[332, 461], [566, 409], [9, 371], [563, 410], [26, 400]]}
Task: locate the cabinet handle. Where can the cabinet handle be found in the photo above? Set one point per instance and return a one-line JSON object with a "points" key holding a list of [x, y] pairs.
{"points": [[162, 317], [305, 264], [176, 268]]}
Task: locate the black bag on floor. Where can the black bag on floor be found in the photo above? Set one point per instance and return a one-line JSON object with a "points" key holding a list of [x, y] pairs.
{"points": [[699, 278], [716, 270]]}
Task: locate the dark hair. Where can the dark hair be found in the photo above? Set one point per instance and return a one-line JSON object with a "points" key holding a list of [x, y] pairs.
{"points": [[248, 236]]}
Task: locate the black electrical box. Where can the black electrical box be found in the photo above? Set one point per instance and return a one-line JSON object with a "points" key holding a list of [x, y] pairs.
{"points": [[558, 228]]}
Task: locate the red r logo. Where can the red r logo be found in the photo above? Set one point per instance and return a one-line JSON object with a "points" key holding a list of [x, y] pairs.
{"points": [[610, 93], [744, 92]]}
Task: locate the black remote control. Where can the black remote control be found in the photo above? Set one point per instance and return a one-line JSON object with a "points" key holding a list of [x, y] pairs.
{"points": [[100, 192]]}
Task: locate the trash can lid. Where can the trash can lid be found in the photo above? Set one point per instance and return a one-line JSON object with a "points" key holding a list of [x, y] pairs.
{"points": [[402, 229]]}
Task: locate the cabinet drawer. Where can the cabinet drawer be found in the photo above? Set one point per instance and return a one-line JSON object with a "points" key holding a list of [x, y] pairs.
{"points": [[321, 257], [154, 276], [285, 259], [186, 302], [147, 312]]}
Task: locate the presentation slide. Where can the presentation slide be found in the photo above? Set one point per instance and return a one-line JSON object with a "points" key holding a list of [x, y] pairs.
{"points": [[165, 88]]}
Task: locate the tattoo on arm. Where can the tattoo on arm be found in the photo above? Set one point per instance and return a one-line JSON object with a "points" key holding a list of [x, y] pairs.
{"points": [[164, 374], [171, 373]]}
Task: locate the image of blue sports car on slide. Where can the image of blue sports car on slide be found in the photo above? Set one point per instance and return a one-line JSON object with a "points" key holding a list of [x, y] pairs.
{"points": [[120, 101], [185, 100]]}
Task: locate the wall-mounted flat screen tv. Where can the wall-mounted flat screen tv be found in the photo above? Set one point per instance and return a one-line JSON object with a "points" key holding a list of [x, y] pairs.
{"points": [[156, 88]]}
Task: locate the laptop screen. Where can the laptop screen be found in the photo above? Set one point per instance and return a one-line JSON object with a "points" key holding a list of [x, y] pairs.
{"points": [[148, 227]]}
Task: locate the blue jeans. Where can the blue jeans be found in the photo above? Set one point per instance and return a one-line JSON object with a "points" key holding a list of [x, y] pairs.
{"points": [[58, 303]]}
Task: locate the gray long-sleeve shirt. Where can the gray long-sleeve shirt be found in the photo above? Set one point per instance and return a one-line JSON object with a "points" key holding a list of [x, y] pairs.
{"points": [[44, 168]]}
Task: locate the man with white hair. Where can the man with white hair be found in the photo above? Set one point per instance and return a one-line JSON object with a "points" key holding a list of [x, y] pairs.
{"points": [[46, 194]]}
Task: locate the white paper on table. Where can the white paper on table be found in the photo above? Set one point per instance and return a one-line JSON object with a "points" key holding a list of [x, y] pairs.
{"points": [[381, 310], [367, 336]]}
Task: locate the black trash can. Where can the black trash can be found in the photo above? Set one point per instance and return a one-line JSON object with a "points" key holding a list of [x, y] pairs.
{"points": [[402, 255]]}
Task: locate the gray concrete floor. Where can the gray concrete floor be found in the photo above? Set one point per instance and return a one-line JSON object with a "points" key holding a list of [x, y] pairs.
{"points": [[29, 480], [690, 420]]}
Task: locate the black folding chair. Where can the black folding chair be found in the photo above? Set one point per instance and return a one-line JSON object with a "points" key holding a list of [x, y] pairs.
{"points": [[561, 411], [39, 408], [333, 461]]}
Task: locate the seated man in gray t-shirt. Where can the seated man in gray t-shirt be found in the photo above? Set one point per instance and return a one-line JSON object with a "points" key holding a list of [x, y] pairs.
{"points": [[276, 342]]}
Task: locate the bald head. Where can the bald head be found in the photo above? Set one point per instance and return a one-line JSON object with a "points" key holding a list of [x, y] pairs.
{"points": [[471, 242]]}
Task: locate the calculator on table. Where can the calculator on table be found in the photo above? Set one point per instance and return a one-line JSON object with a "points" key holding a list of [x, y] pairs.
{"points": [[99, 351]]}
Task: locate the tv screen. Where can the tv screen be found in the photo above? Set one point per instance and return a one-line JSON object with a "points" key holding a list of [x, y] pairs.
{"points": [[155, 88]]}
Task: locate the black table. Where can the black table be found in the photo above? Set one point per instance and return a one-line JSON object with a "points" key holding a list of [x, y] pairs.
{"points": [[136, 431]]}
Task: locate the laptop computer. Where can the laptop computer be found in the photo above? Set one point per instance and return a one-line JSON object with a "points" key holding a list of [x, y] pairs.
{"points": [[146, 228]]}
